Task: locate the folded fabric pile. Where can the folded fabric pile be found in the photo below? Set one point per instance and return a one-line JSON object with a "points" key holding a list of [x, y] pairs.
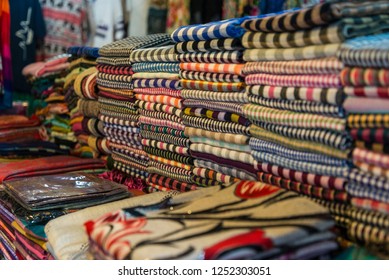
{"points": [[21, 230], [245, 220], [48, 80], [119, 113], [81, 95], [366, 84], [22, 137], [211, 65], [157, 88]]}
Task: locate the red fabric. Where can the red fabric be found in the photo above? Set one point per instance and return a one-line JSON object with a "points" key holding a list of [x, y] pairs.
{"points": [[46, 166], [14, 121]]}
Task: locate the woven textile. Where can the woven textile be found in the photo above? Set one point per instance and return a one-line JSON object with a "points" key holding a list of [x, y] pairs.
{"points": [[159, 91], [371, 135], [168, 155], [118, 133], [115, 84], [375, 147], [117, 103], [114, 61], [88, 108], [297, 144], [213, 67], [157, 107], [131, 162], [333, 96], [244, 157], [224, 161], [118, 94], [289, 118], [114, 78], [301, 166], [171, 172], [336, 140], [156, 67], [162, 129], [125, 128], [216, 115], [84, 84], [134, 172], [309, 52], [224, 169], [334, 33], [124, 47], [298, 106], [204, 182], [370, 204], [371, 91], [160, 115], [129, 151], [236, 147], [374, 237], [155, 75], [193, 94], [224, 137], [367, 51], [170, 183], [217, 106], [372, 169], [318, 81], [368, 121], [210, 77], [115, 70], [157, 122], [117, 121], [366, 105], [312, 191], [170, 162], [161, 54], [162, 99], [213, 175], [356, 76], [216, 126], [157, 83], [125, 114], [368, 180], [327, 65], [83, 51], [367, 192], [213, 86], [128, 142], [318, 15], [303, 177], [212, 57], [273, 148], [227, 44], [214, 30], [166, 146]]}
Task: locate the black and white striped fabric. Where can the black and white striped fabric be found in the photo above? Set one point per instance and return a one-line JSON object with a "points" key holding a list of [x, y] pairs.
{"points": [[228, 44], [178, 141], [211, 77], [217, 106], [161, 54], [212, 57], [160, 115], [157, 83], [158, 107], [124, 47], [299, 106], [239, 97]]}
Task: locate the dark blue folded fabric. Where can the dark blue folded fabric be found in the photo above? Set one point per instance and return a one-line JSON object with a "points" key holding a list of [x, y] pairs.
{"points": [[84, 51]]}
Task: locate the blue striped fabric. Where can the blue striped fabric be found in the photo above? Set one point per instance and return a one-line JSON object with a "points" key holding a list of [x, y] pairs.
{"points": [[157, 83], [269, 147], [156, 67], [365, 179], [366, 192], [300, 165], [230, 28]]}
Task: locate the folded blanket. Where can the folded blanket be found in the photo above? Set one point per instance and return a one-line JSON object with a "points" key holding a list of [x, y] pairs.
{"points": [[212, 57], [227, 68], [216, 115], [371, 135], [158, 107], [368, 121], [160, 54], [159, 91], [370, 91], [213, 86], [210, 77], [165, 67], [202, 95], [224, 137], [157, 83], [220, 144], [226, 44], [366, 105], [178, 141], [215, 105], [170, 183], [115, 70], [162, 99], [226, 169]]}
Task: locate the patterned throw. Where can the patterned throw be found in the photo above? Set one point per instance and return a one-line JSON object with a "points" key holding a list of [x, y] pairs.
{"points": [[211, 237], [227, 44], [161, 54], [212, 57]]}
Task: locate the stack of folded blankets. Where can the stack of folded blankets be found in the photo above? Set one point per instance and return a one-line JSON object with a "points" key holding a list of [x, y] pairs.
{"points": [[47, 79], [157, 88], [366, 83], [81, 95], [30, 196], [22, 137], [119, 113], [211, 66], [245, 220], [293, 84]]}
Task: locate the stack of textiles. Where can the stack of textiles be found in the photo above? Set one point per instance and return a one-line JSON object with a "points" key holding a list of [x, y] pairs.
{"points": [[47, 79], [22, 137], [157, 88], [293, 78], [82, 95], [21, 229], [211, 65], [245, 220], [366, 84], [119, 113]]}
